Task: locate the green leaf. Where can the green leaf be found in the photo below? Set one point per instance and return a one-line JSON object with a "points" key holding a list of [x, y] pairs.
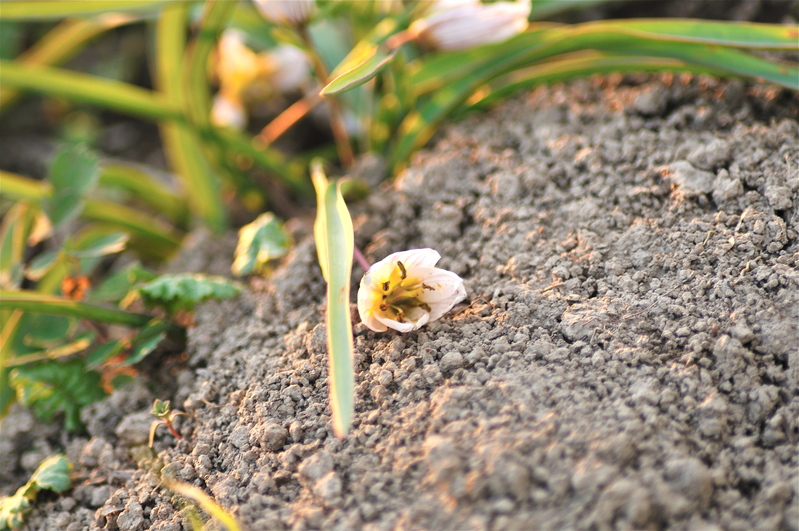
{"points": [[103, 353], [147, 340], [736, 34], [50, 388], [13, 509], [53, 474], [63, 42], [571, 67], [48, 9], [85, 88], [183, 290], [361, 65], [42, 264], [335, 242], [259, 242], [146, 189], [39, 303], [183, 147], [14, 231], [115, 286], [150, 236], [547, 8], [73, 173], [99, 244]]}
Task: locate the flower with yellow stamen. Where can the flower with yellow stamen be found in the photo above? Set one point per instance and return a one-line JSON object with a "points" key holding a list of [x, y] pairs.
{"points": [[405, 291]]}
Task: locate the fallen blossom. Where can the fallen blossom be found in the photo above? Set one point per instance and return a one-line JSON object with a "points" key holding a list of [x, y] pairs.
{"points": [[405, 291]]}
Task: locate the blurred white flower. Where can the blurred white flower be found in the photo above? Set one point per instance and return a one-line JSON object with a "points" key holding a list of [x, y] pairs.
{"points": [[462, 24], [228, 113], [292, 68], [287, 12], [246, 78], [405, 291]]}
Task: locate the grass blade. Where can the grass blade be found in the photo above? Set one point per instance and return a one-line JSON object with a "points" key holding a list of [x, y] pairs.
{"points": [[734, 34], [84, 88], [335, 245], [64, 41], [49, 304], [145, 189], [151, 237], [181, 143], [570, 67], [205, 502], [48, 9]]}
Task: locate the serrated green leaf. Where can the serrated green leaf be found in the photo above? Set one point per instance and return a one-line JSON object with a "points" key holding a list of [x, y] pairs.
{"points": [[259, 242], [50, 388], [73, 173], [53, 474], [335, 242], [182, 291]]}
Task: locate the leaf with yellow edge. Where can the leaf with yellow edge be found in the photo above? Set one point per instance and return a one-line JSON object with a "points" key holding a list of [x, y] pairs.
{"points": [[335, 242]]}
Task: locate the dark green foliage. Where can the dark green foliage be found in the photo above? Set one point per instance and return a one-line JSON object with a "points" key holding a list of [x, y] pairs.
{"points": [[51, 388]]}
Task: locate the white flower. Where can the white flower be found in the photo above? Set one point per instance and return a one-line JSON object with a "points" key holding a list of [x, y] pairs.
{"points": [[404, 291], [228, 113], [461, 24], [292, 68], [287, 12]]}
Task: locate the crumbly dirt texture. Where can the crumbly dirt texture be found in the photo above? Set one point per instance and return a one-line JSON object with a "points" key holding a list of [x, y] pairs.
{"points": [[628, 356]]}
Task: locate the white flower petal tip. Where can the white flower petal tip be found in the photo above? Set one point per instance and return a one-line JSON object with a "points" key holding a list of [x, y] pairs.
{"points": [[460, 24], [405, 291], [287, 12], [228, 113]]}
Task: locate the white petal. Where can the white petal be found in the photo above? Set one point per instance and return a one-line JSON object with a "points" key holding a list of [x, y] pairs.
{"points": [[286, 11], [293, 68], [228, 113], [410, 259], [407, 326], [467, 25], [372, 321]]}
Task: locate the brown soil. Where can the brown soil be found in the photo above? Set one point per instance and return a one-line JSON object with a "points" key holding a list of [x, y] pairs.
{"points": [[628, 356]]}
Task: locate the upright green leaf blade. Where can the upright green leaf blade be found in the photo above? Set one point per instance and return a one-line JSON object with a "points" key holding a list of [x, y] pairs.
{"points": [[335, 243]]}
